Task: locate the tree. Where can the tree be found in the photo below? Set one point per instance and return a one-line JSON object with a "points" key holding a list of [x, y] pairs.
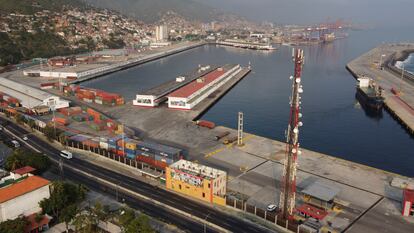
{"points": [[50, 133], [19, 118], [31, 123], [62, 195], [12, 226], [22, 157], [68, 214], [8, 52], [139, 224], [126, 216]]}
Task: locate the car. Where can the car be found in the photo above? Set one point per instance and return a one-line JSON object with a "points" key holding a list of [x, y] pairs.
{"points": [[271, 207], [25, 138]]}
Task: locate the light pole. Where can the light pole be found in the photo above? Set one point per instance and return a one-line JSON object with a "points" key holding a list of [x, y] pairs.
{"points": [[380, 64], [402, 76], [205, 219]]}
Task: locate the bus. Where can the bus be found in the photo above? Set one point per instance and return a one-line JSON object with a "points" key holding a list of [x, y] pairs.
{"points": [[66, 154]]}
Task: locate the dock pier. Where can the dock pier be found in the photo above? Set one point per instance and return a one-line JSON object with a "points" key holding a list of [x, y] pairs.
{"points": [[378, 64], [101, 71]]}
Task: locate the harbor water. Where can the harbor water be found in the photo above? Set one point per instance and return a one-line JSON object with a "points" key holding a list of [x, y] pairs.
{"points": [[334, 121]]}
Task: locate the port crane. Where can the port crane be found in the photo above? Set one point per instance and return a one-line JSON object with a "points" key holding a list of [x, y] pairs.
{"points": [[288, 183]]}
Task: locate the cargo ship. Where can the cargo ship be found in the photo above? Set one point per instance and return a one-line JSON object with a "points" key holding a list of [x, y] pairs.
{"points": [[369, 94]]}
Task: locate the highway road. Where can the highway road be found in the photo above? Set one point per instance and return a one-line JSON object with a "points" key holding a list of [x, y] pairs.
{"points": [[214, 216]]}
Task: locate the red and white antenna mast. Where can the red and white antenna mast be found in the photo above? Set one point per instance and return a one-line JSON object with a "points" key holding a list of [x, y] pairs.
{"points": [[288, 184]]}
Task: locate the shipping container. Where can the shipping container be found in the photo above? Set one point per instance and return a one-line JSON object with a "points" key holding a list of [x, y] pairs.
{"points": [[131, 144], [60, 120], [91, 143], [79, 138], [129, 151], [130, 156], [206, 124], [152, 162], [120, 152], [164, 159], [160, 149]]}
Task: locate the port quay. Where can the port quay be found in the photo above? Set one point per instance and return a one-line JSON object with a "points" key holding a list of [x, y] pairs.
{"points": [[379, 65], [366, 199]]}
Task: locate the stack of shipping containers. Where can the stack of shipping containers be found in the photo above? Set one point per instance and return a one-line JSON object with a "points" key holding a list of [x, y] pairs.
{"points": [[94, 95]]}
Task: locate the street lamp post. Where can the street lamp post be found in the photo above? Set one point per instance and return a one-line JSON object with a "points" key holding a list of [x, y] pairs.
{"points": [[402, 76], [380, 64], [205, 219]]}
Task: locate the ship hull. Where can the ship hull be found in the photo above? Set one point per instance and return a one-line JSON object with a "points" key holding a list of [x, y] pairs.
{"points": [[372, 102]]}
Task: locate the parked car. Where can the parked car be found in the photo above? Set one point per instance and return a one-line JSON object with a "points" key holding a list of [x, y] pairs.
{"points": [[271, 207]]}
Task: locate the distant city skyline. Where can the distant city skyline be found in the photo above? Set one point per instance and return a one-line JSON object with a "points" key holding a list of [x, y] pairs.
{"points": [[374, 12]]}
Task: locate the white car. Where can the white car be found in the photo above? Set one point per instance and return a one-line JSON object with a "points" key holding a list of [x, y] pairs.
{"points": [[25, 138], [271, 207]]}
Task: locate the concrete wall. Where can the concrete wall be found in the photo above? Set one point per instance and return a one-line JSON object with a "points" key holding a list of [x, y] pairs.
{"points": [[144, 100], [203, 192], [26, 204]]}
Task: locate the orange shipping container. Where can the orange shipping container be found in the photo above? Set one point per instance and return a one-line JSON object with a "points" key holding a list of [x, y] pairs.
{"points": [[59, 120]]}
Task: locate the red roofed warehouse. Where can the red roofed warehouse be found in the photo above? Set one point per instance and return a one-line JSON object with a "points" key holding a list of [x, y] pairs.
{"points": [[194, 92]]}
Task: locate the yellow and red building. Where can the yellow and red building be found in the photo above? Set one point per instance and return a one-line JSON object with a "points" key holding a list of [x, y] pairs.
{"points": [[198, 181]]}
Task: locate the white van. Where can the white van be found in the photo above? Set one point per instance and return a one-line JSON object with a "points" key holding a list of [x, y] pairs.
{"points": [[66, 154], [15, 143]]}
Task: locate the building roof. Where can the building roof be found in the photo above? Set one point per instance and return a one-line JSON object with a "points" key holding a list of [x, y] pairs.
{"points": [[170, 86], [197, 170], [312, 211], [322, 191], [35, 93], [29, 97], [22, 187], [409, 195], [194, 86], [33, 225], [24, 170]]}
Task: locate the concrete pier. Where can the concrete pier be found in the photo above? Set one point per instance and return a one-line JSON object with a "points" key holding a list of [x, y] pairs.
{"points": [[401, 106], [100, 71]]}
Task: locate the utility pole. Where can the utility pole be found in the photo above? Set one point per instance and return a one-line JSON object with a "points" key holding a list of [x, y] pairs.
{"points": [[288, 183], [61, 168], [240, 130]]}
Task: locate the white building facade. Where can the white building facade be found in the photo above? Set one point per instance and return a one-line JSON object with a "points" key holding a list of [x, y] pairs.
{"points": [[23, 197]]}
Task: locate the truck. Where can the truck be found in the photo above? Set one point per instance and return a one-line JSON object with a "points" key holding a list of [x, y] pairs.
{"points": [[221, 135]]}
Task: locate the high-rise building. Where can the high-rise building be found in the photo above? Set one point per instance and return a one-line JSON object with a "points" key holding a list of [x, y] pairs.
{"points": [[161, 33]]}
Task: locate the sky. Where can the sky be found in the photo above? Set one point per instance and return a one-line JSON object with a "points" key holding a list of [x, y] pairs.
{"points": [[373, 12]]}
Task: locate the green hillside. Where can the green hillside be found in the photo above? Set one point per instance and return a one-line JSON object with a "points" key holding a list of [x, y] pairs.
{"points": [[151, 10], [31, 6]]}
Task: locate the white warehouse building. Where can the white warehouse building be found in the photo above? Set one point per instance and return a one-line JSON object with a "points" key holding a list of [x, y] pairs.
{"points": [[31, 97]]}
